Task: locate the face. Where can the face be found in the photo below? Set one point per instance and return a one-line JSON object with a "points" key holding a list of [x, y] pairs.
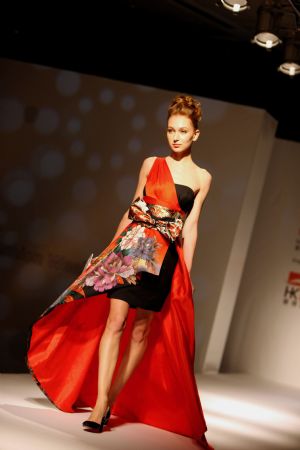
{"points": [[181, 133]]}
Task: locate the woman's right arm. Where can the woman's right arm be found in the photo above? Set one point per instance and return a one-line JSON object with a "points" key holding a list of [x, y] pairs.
{"points": [[144, 171]]}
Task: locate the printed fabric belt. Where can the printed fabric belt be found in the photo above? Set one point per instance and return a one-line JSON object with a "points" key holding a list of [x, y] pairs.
{"points": [[167, 221]]}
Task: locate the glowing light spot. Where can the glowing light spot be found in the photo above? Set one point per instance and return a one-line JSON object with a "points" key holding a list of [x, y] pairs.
{"points": [[67, 83], [77, 148], [116, 161], [134, 145], [85, 105], [127, 103], [138, 122], [18, 187], [73, 125], [106, 96], [47, 121], [49, 163], [94, 161]]}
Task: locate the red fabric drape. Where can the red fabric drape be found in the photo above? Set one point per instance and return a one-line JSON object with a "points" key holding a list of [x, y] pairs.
{"points": [[162, 392]]}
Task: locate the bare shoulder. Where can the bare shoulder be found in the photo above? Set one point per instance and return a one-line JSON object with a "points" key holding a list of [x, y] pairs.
{"points": [[148, 163], [204, 176]]}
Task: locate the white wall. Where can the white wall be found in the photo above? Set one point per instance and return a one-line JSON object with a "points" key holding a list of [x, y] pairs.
{"points": [[261, 151], [265, 331]]}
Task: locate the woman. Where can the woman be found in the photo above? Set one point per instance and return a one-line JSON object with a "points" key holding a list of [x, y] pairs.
{"points": [[133, 355]]}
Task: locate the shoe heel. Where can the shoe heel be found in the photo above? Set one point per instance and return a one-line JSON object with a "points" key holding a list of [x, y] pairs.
{"points": [[106, 416]]}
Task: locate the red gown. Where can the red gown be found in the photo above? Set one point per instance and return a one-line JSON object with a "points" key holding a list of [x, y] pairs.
{"points": [[63, 346]]}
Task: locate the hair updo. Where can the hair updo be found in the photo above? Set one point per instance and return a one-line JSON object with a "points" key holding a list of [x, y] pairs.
{"points": [[186, 106]]}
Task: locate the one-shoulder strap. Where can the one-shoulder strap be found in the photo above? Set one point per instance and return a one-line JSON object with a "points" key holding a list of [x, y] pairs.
{"points": [[160, 185]]}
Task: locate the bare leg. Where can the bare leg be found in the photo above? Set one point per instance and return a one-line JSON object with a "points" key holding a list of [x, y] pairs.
{"points": [[108, 354], [134, 351]]}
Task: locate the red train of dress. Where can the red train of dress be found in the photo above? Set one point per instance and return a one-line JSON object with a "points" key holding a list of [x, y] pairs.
{"points": [[63, 348]]}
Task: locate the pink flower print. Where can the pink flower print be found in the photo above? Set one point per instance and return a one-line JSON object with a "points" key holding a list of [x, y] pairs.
{"points": [[105, 275], [101, 280], [118, 264]]}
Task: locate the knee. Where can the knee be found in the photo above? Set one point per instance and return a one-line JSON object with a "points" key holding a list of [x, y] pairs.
{"points": [[116, 323], [140, 332]]}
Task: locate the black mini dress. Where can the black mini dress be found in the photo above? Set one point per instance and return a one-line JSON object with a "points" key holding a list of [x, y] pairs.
{"points": [[151, 290]]}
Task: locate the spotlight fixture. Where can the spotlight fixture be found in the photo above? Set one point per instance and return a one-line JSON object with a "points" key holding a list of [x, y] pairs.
{"points": [[266, 39], [289, 68], [267, 26], [278, 22], [291, 56], [235, 5]]}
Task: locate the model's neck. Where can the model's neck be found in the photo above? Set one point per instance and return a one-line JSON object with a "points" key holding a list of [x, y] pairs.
{"points": [[182, 156]]}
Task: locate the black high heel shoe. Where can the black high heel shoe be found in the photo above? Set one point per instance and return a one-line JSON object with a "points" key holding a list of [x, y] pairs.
{"points": [[95, 426]]}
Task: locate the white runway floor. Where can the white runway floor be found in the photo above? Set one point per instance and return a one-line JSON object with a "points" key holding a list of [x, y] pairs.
{"points": [[242, 413]]}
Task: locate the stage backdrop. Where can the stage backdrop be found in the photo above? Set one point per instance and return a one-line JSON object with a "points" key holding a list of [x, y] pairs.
{"points": [[71, 149], [265, 331]]}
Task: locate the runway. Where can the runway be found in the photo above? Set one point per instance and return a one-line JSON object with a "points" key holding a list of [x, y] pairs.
{"points": [[242, 412]]}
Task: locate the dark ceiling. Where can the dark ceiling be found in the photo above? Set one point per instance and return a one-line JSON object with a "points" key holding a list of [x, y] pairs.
{"points": [[193, 46]]}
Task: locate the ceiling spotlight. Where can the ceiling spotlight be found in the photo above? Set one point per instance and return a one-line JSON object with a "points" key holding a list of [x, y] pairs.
{"points": [[291, 56], [266, 39], [267, 27], [235, 5], [289, 68]]}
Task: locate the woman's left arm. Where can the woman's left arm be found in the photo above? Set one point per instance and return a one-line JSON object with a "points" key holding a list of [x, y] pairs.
{"points": [[190, 228]]}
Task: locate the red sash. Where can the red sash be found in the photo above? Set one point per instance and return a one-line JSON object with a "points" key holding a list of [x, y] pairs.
{"points": [[162, 391]]}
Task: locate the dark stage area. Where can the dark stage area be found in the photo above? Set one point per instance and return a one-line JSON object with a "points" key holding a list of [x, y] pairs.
{"points": [[180, 45]]}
